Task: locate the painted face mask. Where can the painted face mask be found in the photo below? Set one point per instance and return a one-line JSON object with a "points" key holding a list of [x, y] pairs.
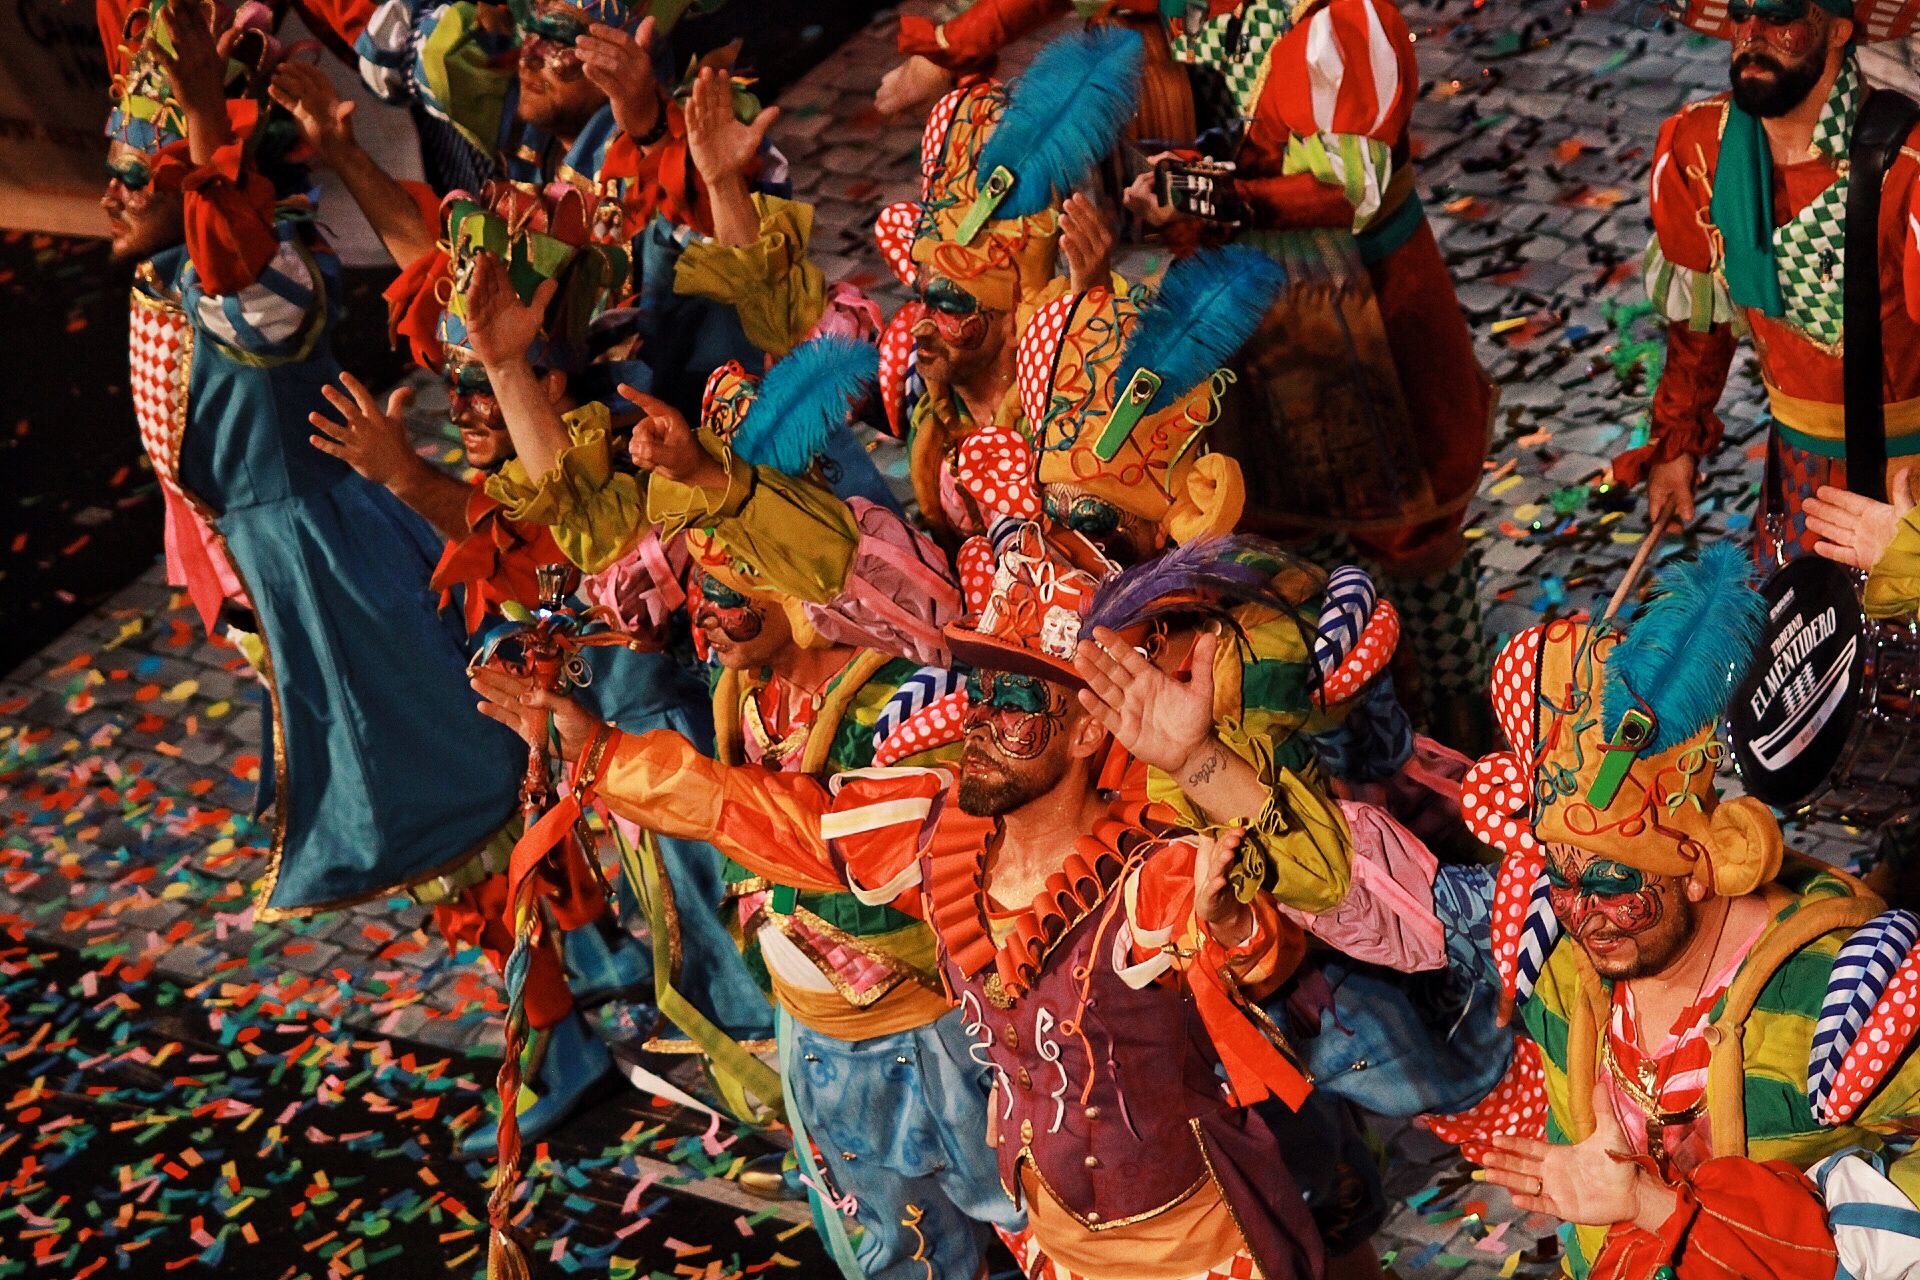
{"points": [[952, 314], [1022, 713], [723, 609], [1618, 893]]}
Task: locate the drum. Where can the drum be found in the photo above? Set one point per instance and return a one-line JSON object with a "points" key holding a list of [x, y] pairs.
{"points": [[1827, 719]]}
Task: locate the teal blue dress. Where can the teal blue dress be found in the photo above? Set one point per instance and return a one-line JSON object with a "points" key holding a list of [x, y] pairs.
{"points": [[383, 771]]}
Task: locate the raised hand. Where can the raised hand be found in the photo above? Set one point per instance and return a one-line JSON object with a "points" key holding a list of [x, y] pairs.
{"points": [[1856, 530], [1215, 903], [1159, 718], [500, 327], [198, 69], [371, 440], [519, 703], [1086, 241], [325, 119], [663, 443], [621, 66], [1594, 1183], [914, 83], [723, 146]]}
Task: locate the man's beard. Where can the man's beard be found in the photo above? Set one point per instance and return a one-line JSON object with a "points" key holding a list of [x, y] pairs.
{"points": [[1787, 89], [1002, 794]]}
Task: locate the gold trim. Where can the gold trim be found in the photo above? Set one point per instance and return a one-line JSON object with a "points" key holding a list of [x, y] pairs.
{"points": [[687, 1048], [1206, 1162], [1025, 1157], [899, 970], [1825, 420]]}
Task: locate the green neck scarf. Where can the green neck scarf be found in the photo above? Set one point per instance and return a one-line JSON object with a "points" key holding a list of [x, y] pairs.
{"points": [[1742, 205]]}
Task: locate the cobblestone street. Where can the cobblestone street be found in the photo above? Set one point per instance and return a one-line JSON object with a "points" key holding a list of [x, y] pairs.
{"points": [[129, 747]]}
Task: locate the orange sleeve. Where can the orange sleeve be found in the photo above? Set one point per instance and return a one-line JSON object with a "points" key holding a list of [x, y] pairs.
{"points": [[970, 41], [229, 213]]}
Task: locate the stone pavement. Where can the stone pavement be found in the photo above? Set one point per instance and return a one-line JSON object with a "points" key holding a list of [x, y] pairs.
{"points": [[129, 746]]}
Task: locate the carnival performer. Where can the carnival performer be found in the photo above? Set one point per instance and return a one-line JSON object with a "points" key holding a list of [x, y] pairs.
{"points": [[979, 246], [1714, 1019], [1749, 196], [233, 302], [1091, 946], [1364, 417]]}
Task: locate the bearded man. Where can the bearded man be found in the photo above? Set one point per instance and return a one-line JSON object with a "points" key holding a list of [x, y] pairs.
{"points": [[1749, 200]]}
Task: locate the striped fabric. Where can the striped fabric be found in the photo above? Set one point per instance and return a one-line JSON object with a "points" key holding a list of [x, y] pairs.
{"points": [[1860, 975], [268, 316], [1697, 299], [1353, 74], [1345, 606], [1360, 167]]}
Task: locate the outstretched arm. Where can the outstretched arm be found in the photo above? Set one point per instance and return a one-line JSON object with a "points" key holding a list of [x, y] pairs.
{"points": [[327, 122], [373, 441], [501, 330]]}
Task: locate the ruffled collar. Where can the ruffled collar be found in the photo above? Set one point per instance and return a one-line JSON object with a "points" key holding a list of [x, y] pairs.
{"points": [[957, 894]]}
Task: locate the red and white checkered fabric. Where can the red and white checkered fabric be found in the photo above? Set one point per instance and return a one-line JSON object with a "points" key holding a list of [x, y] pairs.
{"points": [[1038, 352], [160, 357]]}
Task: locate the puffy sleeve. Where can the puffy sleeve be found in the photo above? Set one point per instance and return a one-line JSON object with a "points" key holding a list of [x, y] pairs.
{"points": [[798, 537], [1737, 1219], [767, 821], [1338, 96], [595, 511], [971, 40], [775, 287], [1907, 170], [1893, 587]]}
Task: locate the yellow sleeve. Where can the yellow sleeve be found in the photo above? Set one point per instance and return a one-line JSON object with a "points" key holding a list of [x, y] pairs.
{"points": [[772, 284], [797, 537], [1300, 834], [1893, 588], [595, 511]]}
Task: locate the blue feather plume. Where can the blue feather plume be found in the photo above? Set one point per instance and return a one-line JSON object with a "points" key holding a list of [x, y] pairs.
{"points": [[1206, 308], [803, 400], [1209, 577], [1064, 112], [1687, 648]]}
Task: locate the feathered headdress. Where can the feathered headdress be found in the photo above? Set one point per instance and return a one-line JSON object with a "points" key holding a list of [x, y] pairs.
{"points": [[1614, 746], [787, 420], [1122, 390], [1208, 578], [1685, 651]]}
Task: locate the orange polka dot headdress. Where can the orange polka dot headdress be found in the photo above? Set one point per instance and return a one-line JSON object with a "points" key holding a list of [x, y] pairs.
{"points": [[1118, 393], [996, 161], [1614, 747]]}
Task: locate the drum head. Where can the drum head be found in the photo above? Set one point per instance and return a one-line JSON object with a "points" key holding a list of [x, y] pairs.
{"points": [[1794, 709]]}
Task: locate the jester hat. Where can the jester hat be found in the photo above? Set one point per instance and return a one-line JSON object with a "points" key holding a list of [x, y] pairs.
{"points": [[1614, 749], [145, 114], [539, 234], [996, 161], [1873, 20], [1026, 616], [787, 420], [1118, 393]]}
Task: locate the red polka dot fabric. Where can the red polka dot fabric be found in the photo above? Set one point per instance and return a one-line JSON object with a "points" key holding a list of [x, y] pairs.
{"points": [[1368, 658], [1878, 1049], [1494, 797], [1514, 674], [896, 364], [1039, 350], [893, 232], [940, 722], [975, 563], [1513, 894], [996, 468], [933, 139], [1517, 1107]]}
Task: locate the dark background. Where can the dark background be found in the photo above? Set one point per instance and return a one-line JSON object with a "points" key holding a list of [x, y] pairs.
{"points": [[79, 507]]}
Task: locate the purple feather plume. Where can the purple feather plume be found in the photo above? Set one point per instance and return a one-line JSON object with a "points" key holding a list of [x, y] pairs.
{"points": [[1210, 577]]}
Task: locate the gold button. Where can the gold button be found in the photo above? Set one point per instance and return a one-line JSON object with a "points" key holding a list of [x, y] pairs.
{"points": [[1013, 1037], [1026, 1131], [1026, 1081], [1093, 1162], [1093, 1215], [1093, 1113]]}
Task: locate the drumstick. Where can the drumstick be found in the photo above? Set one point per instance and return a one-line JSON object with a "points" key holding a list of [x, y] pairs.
{"points": [[1639, 565]]}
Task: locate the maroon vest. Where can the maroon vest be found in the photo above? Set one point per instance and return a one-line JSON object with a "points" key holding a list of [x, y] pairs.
{"points": [[1111, 1094]]}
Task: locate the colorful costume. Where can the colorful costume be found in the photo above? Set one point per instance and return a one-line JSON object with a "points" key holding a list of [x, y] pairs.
{"points": [[1104, 983], [1790, 1052], [1741, 243], [980, 241], [1363, 411], [366, 679]]}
